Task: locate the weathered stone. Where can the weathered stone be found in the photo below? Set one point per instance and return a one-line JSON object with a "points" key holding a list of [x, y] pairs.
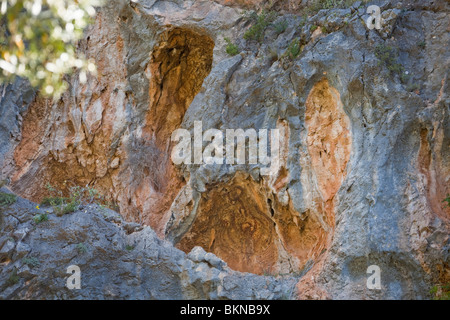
{"points": [[154, 269], [363, 172]]}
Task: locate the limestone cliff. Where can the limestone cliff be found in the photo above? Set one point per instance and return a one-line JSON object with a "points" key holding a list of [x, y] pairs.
{"points": [[364, 154]]}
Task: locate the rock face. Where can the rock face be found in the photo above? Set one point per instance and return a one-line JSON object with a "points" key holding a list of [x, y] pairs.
{"points": [[117, 260], [364, 153]]}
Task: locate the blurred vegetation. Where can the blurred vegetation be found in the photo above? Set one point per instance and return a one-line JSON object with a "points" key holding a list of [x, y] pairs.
{"points": [[281, 26], [7, 199], [317, 5], [447, 200], [388, 56], [231, 48], [294, 49], [38, 41], [441, 292], [31, 262], [40, 217], [78, 196], [260, 23], [13, 277]]}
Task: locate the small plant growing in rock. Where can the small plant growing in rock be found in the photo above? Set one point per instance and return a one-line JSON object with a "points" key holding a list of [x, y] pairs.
{"points": [[294, 49], [81, 247], [413, 87], [7, 199], [78, 196], [317, 5], [303, 21], [313, 28], [32, 262], [260, 24], [404, 77], [40, 217], [281, 26], [231, 48], [13, 277], [388, 56], [440, 292], [70, 207], [421, 44], [61, 205], [129, 247], [51, 201], [447, 200]]}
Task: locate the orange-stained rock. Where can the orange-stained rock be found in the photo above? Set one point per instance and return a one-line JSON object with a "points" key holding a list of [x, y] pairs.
{"points": [[434, 174], [178, 66], [245, 225], [434, 188], [328, 144], [251, 229], [328, 141], [233, 222], [86, 132], [308, 288]]}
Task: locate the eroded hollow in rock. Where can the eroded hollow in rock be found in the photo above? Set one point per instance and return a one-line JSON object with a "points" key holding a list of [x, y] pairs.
{"points": [[145, 183], [178, 66], [246, 224]]}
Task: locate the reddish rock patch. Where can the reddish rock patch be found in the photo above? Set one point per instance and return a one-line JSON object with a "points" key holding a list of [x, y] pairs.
{"points": [[434, 174], [329, 147], [245, 225], [178, 66]]}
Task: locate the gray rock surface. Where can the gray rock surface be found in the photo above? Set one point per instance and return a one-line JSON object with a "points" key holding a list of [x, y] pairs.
{"points": [[114, 263]]}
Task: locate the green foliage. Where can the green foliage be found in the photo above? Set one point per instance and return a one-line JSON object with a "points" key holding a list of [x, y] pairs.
{"points": [[313, 28], [32, 262], [292, 52], [404, 77], [231, 48], [324, 29], [61, 205], [38, 41], [40, 217], [421, 44], [129, 247], [441, 292], [72, 206], [50, 201], [388, 56], [281, 26], [260, 24], [81, 247], [294, 49], [412, 87], [317, 5], [447, 200], [13, 277], [77, 196], [303, 21], [7, 199]]}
